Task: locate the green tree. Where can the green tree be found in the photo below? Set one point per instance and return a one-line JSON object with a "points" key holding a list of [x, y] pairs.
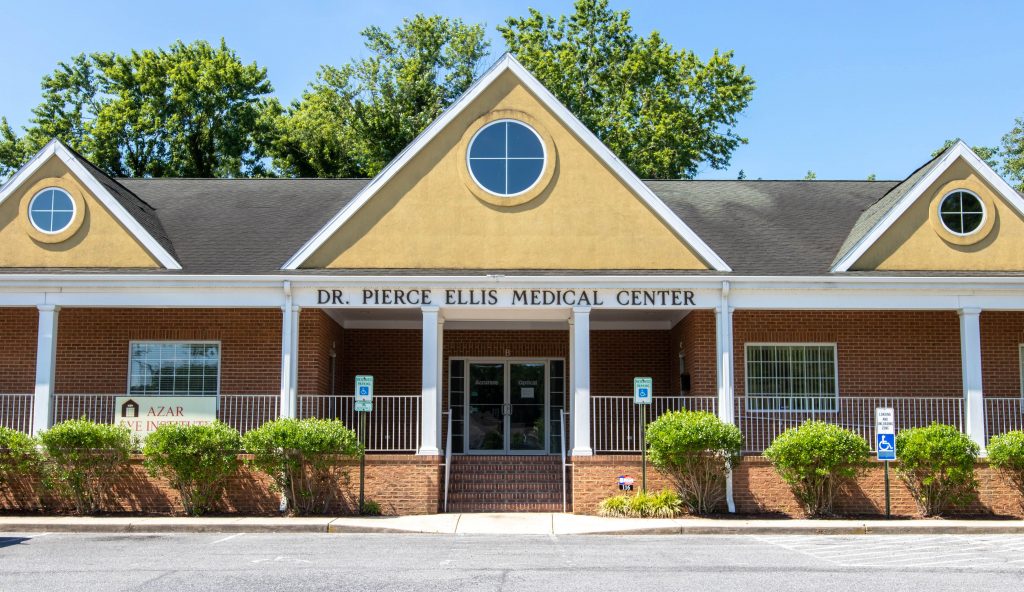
{"points": [[355, 118], [810, 176], [189, 110], [663, 111], [1013, 154], [989, 154]]}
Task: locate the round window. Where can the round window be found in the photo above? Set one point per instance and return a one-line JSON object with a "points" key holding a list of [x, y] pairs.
{"points": [[506, 157], [51, 210], [961, 212]]}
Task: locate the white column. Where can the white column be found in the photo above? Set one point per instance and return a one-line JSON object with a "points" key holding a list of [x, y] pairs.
{"points": [[726, 386], [287, 354], [970, 361], [430, 403], [46, 363], [571, 383], [293, 373], [581, 381], [723, 324]]}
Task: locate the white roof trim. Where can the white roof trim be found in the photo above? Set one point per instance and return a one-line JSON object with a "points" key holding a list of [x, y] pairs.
{"points": [[959, 150], [55, 148], [509, 63]]}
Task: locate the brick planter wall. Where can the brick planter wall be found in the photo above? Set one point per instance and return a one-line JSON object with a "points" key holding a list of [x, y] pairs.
{"points": [[401, 484], [757, 489]]}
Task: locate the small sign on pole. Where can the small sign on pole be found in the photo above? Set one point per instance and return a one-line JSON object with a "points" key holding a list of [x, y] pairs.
{"points": [[885, 433], [643, 392], [363, 404], [885, 444], [364, 388]]}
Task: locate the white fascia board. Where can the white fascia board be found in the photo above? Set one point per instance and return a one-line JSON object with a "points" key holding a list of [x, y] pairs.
{"points": [[959, 150], [27, 170], [55, 148], [115, 207], [509, 63], [71, 281]]}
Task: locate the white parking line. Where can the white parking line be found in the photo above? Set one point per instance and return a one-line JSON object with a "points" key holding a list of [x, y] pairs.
{"points": [[227, 538]]}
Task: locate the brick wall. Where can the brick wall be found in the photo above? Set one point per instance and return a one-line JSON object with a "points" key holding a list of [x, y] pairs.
{"points": [[757, 489], [897, 353], [698, 334], [402, 484], [18, 332], [319, 336], [92, 345], [616, 357], [392, 356], [1002, 334]]}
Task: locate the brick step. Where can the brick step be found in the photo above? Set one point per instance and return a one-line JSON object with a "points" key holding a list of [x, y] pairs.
{"points": [[469, 500], [485, 487], [512, 460], [508, 477], [506, 466], [508, 474], [468, 508]]}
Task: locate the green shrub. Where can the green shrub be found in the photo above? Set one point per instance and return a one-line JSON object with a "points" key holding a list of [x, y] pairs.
{"points": [[664, 504], [815, 459], [937, 464], [82, 457], [20, 463], [302, 457], [697, 450], [1006, 453], [197, 460], [370, 508]]}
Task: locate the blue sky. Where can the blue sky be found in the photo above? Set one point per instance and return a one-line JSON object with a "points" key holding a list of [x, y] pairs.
{"points": [[844, 88]]}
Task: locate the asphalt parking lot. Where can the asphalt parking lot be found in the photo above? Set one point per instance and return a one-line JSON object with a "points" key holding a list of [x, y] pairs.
{"points": [[87, 562]]}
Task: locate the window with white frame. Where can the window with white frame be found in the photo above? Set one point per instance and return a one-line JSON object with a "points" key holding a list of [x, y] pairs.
{"points": [[174, 368], [791, 377]]}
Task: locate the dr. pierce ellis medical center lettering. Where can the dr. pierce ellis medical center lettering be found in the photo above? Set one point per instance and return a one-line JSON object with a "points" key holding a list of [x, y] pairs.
{"points": [[505, 297]]}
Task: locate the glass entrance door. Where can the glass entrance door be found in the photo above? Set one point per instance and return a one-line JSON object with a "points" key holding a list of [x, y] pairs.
{"points": [[485, 430], [506, 406], [526, 397]]}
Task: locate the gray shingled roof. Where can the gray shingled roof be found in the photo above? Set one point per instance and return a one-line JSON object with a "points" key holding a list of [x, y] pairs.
{"points": [[242, 226], [877, 211], [136, 207], [251, 226], [772, 227]]}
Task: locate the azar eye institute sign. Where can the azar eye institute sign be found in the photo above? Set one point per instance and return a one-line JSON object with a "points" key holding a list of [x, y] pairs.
{"points": [[143, 415]]}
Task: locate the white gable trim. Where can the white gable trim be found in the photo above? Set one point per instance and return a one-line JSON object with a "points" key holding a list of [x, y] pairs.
{"points": [[959, 150], [55, 148], [509, 63]]}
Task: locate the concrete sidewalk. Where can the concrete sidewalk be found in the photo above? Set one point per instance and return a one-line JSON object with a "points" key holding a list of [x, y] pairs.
{"points": [[539, 524]]}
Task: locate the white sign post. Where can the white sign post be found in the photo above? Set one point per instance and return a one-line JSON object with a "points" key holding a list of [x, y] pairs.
{"points": [[643, 392], [363, 403], [885, 443]]}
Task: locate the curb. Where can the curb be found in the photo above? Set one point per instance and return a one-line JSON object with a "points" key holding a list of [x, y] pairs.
{"points": [[329, 526]]}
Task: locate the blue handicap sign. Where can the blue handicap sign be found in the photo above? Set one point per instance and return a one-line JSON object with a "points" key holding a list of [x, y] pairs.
{"points": [[643, 393], [364, 390], [885, 446]]}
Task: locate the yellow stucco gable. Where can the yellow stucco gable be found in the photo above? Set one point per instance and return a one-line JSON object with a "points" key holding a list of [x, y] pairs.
{"points": [[917, 240], [95, 239], [428, 215]]}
